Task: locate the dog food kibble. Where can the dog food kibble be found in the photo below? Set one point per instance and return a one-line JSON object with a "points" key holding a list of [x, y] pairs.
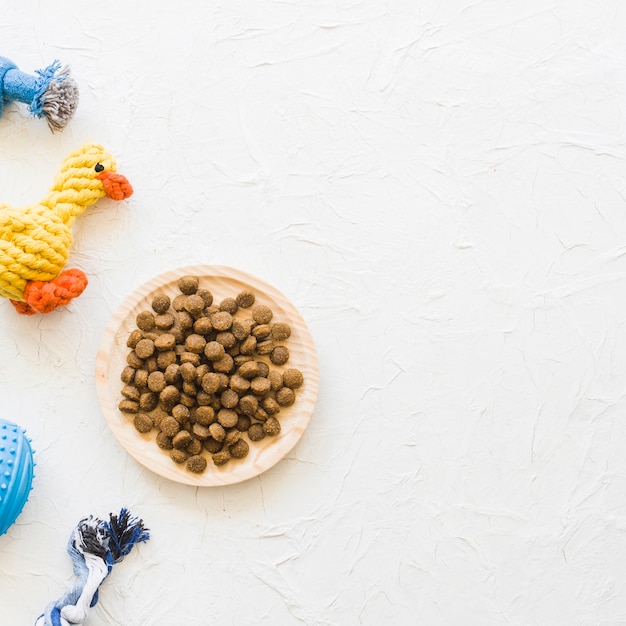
{"points": [[196, 463], [145, 321], [279, 355], [261, 314], [143, 422], [188, 285], [293, 378], [161, 303], [285, 396], [239, 449], [207, 375], [245, 299], [256, 432], [178, 456], [281, 331], [271, 426]]}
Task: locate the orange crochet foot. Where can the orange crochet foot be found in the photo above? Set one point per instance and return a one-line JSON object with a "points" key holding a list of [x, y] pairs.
{"points": [[45, 297]]}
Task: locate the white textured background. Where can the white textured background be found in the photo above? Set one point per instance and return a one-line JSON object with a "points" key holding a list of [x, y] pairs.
{"points": [[438, 186]]}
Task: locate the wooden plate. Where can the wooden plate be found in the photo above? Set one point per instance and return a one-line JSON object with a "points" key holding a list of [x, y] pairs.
{"points": [[222, 282]]}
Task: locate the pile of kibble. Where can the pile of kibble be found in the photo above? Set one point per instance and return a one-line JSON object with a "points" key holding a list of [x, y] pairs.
{"points": [[209, 377]]}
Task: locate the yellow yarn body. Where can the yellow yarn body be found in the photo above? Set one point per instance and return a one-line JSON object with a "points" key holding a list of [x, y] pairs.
{"points": [[35, 240]]}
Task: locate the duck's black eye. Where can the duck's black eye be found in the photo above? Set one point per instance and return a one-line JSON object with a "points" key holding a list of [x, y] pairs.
{"points": [[99, 167]]}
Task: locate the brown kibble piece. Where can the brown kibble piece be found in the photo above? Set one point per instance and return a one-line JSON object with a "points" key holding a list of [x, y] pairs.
{"points": [[249, 370], [141, 379], [206, 296], [262, 331], [165, 321], [214, 351], [131, 393], [194, 447], [224, 365], [243, 423], [217, 431], [195, 343], [165, 359], [240, 329], [169, 397], [260, 385], [229, 305], [188, 372], [227, 339], [281, 331], [293, 378], [271, 426], [134, 361], [248, 405], [270, 405], [190, 357], [134, 338], [222, 320], [182, 439], [232, 436], [194, 305], [248, 345], [256, 432], [143, 422], [169, 426], [157, 382], [229, 399], [148, 401], [262, 314], [164, 342], [285, 396], [279, 355], [201, 432], [210, 382], [128, 406], [128, 374], [202, 326], [185, 321], [204, 415], [178, 303], [188, 285], [276, 380], [145, 320], [163, 441], [245, 299], [212, 446], [160, 303], [239, 449], [196, 464], [221, 458], [239, 384], [178, 456], [180, 413], [172, 373], [264, 347], [227, 418]]}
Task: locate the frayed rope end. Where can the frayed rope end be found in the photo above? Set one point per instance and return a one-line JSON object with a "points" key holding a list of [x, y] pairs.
{"points": [[94, 547]]}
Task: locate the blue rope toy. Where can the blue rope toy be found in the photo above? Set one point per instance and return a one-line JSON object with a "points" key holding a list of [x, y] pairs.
{"points": [[94, 547], [51, 93]]}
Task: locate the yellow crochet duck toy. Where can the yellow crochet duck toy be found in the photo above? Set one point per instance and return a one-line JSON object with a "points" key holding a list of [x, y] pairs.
{"points": [[35, 240]]}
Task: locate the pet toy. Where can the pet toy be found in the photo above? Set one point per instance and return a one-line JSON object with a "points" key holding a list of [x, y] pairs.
{"points": [[94, 547], [16, 472], [35, 240], [51, 93]]}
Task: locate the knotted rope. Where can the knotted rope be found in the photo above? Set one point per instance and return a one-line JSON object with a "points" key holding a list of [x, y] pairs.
{"points": [[51, 93], [94, 547]]}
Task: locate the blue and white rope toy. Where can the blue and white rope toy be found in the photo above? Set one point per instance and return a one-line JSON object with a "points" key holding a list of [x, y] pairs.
{"points": [[94, 547], [51, 93]]}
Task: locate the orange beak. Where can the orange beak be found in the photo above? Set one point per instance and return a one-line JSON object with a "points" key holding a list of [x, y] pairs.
{"points": [[115, 185]]}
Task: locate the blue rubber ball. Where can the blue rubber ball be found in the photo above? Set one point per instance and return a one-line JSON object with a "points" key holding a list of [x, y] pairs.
{"points": [[16, 472]]}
